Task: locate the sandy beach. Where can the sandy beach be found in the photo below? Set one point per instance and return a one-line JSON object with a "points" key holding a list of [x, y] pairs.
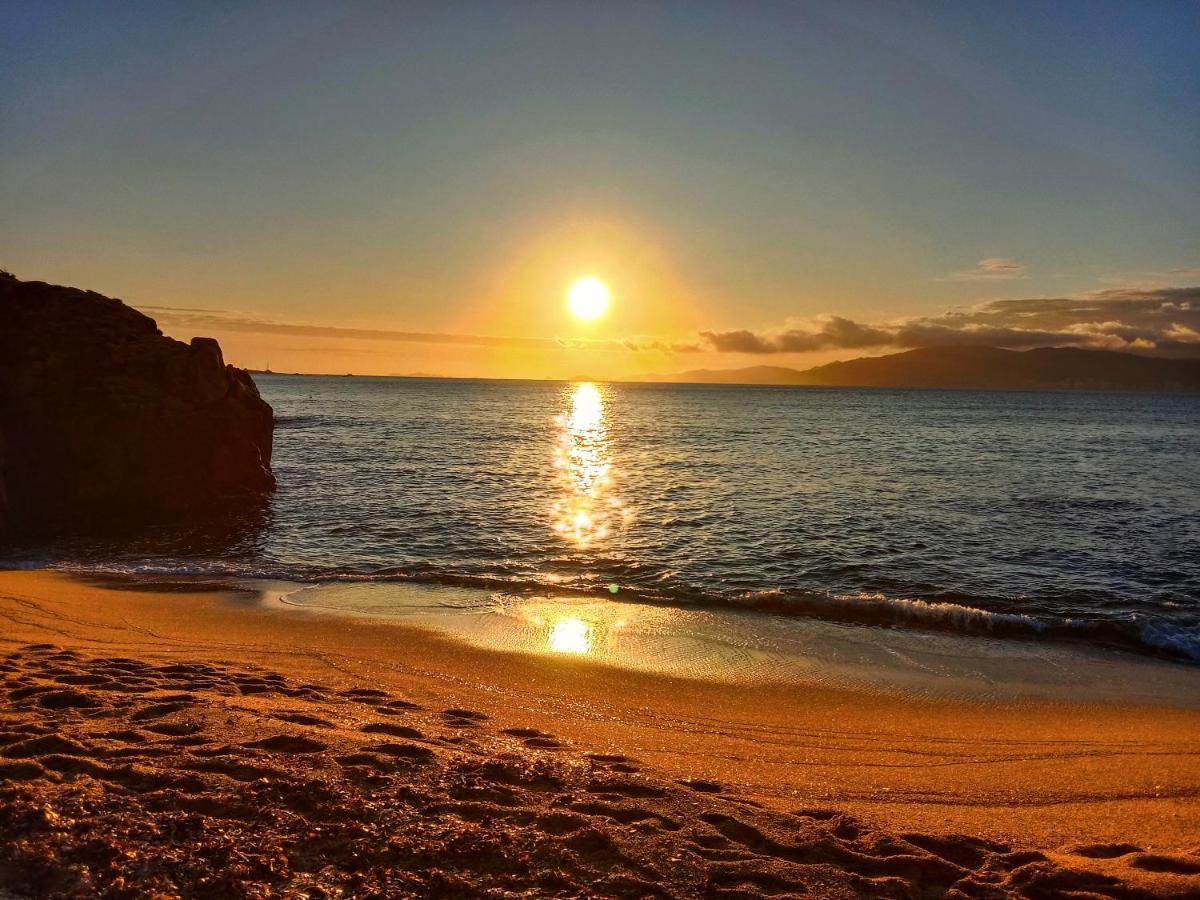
{"points": [[196, 740], [600, 450]]}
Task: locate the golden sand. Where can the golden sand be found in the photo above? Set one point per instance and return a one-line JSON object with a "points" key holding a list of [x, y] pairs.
{"points": [[1106, 789]]}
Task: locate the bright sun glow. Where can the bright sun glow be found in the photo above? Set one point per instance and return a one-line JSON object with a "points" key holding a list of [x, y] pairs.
{"points": [[570, 635], [587, 298]]}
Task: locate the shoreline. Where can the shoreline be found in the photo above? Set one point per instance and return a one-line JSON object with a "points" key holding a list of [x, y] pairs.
{"points": [[1042, 773], [751, 648], [1151, 641]]}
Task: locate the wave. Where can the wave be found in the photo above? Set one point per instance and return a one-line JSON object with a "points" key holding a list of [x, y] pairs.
{"points": [[1149, 635], [877, 609], [1182, 640]]}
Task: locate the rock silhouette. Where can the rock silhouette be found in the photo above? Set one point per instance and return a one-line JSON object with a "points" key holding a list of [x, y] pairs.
{"points": [[103, 419]]}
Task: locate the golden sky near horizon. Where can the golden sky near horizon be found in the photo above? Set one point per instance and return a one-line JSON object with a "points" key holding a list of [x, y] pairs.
{"points": [[391, 189]]}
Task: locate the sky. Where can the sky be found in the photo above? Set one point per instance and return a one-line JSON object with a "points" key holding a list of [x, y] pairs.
{"points": [[399, 188]]}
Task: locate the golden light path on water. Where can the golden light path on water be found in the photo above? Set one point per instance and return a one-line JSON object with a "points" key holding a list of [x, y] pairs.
{"points": [[585, 511]]}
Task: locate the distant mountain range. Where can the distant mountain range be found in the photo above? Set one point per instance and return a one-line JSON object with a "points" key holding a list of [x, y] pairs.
{"points": [[1048, 368]]}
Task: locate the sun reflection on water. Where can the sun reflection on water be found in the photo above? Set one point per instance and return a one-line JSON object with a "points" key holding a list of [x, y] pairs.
{"points": [[585, 511]]}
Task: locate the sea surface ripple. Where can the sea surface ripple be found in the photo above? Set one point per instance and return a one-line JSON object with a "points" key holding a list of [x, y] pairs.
{"points": [[1065, 514]]}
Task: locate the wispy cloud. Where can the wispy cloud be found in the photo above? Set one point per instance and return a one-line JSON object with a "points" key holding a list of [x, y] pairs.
{"points": [[994, 268], [1176, 275], [193, 321], [197, 322]]}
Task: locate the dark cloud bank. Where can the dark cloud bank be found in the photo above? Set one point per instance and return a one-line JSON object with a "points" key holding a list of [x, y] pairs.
{"points": [[1162, 321]]}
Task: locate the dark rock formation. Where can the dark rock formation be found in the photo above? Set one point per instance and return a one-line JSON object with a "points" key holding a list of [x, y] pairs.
{"points": [[103, 419]]}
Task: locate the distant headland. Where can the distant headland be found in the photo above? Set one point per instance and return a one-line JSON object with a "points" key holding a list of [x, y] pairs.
{"points": [[981, 368]]}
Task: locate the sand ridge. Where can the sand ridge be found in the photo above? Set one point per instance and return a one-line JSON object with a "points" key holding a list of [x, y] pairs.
{"points": [[123, 777]]}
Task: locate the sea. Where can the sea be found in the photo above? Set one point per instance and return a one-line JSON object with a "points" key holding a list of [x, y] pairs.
{"points": [[1048, 516]]}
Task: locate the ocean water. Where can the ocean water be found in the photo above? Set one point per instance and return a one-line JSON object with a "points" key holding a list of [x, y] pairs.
{"points": [[1006, 514]]}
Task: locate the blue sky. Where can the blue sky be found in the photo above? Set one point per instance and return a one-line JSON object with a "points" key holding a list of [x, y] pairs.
{"points": [[449, 167]]}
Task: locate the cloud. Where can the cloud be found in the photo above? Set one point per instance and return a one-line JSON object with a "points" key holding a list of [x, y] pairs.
{"points": [[740, 342], [994, 268], [1160, 320], [826, 332], [1155, 278], [1164, 321], [644, 345], [224, 320], [192, 320]]}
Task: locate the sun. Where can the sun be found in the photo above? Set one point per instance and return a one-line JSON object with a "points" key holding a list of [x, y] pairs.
{"points": [[587, 298]]}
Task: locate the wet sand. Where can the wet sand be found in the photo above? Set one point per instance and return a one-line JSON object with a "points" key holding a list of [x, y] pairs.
{"points": [[204, 735]]}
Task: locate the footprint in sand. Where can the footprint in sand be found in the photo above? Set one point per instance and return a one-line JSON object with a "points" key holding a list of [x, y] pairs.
{"points": [[625, 815], [402, 751], [395, 707], [1171, 865], [366, 760], [821, 815], [124, 735], [175, 729], [247, 688], [543, 743], [68, 699], [624, 788], [43, 746], [157, 711], [287, 743], [608, 757], [702, 785], [194, 740], [463, 718], [188, 669], [23, 770], [530, 778], [365, 694], [1103, 851], [614, 762], [238, 771], [394, 730], [524, 732], [302, 719], [23, 693], [77, 679]]}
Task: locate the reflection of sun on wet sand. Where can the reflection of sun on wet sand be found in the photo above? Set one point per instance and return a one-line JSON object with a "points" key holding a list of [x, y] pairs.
{"points": [[170, 741], [570, 635]]}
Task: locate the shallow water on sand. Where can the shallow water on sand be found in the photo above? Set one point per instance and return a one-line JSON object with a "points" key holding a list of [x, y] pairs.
{"points": [[748, 648], [1031, 515]]}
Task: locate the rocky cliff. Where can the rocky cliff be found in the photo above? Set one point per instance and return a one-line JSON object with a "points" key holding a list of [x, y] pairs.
{"points": [[103, 419]]}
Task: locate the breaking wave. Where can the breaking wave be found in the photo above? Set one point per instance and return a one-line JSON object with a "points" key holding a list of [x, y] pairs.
{"points": [[1140, 634]]}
